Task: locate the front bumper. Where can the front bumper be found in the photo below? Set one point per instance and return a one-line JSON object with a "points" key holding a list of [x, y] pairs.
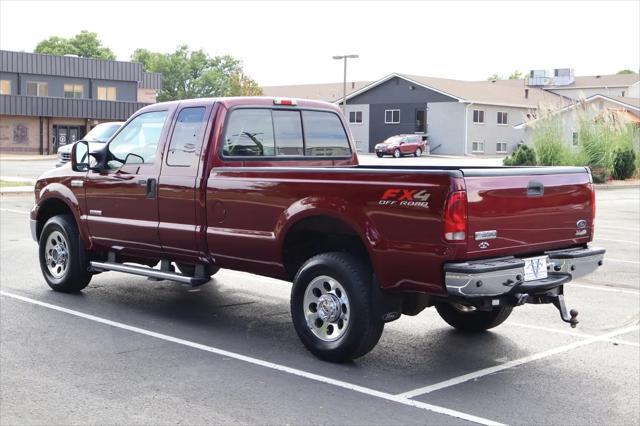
{"points": [[34, 229], [502, 276]]}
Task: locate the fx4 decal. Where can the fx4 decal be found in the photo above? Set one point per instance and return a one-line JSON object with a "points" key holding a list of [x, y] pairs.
{"points": [[405, 197]]}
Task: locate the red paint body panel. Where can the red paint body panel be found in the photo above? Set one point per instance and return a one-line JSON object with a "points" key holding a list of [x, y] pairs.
{"points": [[236, 212]]}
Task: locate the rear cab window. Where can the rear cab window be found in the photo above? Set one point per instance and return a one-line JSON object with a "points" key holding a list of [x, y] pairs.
{"points": [[261, 133]]}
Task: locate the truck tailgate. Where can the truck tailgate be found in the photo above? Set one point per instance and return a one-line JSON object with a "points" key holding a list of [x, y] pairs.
{"points": [[525, 210]]}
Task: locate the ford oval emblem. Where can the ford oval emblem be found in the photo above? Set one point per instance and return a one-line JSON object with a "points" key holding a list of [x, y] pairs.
{"points": [[581, 224]]}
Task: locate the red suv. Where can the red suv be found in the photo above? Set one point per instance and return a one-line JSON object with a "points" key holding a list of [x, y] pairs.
{"points": [[400, 145]]}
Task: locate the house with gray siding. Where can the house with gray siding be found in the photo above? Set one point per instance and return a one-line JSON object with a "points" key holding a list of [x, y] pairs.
{"points": [[458, 117], [47, 101]]}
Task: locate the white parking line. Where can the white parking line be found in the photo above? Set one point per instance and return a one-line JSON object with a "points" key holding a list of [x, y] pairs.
{"points": [[618, 227], [516, 362], [605, 288], [570, 333], [14, 211], [262, 363], [616, 241], [608, 259]]}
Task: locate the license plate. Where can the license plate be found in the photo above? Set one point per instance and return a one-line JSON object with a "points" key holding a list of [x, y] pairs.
{"points": [[535, 268]]}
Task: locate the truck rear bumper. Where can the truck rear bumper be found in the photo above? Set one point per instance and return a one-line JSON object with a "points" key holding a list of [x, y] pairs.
{"points": [[501, 276]]}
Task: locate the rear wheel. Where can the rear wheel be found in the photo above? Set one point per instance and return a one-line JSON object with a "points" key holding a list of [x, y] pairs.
{"points": [[63, 260], [418, 152], [379, 154], [468, 318], [397, 153], [332, 308]]}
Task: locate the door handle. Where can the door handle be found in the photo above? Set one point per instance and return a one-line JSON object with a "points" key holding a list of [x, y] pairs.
{"points": [[535, 189], [152, 187], [143, 182]]}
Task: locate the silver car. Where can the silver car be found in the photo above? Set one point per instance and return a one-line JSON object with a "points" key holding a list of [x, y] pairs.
{"points": [[98, 135]]}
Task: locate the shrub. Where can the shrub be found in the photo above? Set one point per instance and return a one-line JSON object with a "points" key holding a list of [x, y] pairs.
{"points": [[549, 148], [624, 163], [600, 175], [522, 156]]}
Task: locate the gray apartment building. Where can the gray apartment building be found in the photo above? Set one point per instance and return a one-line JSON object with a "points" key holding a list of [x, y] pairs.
{"points": [[458, 117], [47, 101]]}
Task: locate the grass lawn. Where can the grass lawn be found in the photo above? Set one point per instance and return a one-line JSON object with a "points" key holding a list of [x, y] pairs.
{"points": [[9, 183]]}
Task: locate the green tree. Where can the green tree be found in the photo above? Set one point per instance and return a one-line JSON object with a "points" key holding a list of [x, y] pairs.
{"points": [[84, 44], [626, 71], [495, 76], [516, 75], [194, 74]]}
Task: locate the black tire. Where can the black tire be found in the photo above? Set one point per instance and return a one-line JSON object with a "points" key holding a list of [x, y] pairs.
{"points": [[75, 275], [475, 320], [397, 153], [363, 330], [188, 269], [379, 154]]}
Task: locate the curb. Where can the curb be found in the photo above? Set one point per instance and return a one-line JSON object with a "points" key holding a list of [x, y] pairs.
{"points": [[29, 157], [609, 187]]}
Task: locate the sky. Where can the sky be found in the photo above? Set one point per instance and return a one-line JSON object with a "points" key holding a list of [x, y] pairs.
{"points": [[292, 42]]}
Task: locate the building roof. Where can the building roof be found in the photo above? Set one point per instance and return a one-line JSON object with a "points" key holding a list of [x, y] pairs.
{"points": [[329, 92], [595, 81], [72, 66], [502, 92], [499, 92], [625, 102]]}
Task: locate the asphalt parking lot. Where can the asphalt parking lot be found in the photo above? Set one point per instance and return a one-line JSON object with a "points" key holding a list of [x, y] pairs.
{"points": [[132, 351]]}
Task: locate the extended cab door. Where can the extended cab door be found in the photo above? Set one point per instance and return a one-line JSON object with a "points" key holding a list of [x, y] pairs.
{"points": [[182, 168], [122, 202]]}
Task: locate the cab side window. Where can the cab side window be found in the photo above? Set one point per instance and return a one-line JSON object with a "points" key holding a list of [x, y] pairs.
{"points": [[324, 135], [186, 140], [137, 142], [249, 133]]}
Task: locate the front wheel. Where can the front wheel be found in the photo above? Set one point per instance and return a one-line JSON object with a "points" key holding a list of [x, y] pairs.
{"points": [[397, 153], [379, 154], [332, 308], [63, 260], [418, 152], [469, 319]]}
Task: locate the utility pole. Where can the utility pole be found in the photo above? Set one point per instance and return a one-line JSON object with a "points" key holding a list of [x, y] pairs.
{"points": [[344, 81]]}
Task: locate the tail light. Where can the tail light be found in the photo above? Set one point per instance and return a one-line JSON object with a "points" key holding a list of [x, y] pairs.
{"points": [[593, 204], [455, 217]]}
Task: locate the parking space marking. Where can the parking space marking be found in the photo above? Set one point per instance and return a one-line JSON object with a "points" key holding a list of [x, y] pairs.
{"points": [[255, 361], [608, 259], [626, 228], [570, 333], [616, 241], [13, 211], [605, 288], [516, 362]]}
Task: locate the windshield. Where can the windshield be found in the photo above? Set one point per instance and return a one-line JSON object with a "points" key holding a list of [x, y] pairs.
{"points": [[102, 132], [394, 139]]}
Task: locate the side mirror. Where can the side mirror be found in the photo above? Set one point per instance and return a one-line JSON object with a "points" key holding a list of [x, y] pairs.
{"points": [[80, 157]]}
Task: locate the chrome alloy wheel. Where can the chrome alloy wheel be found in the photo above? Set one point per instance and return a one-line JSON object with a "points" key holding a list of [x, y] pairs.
{"points": [[57, 254], [326, 308]]}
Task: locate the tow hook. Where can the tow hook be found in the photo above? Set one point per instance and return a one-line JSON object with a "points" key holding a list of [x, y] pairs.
{"points": [[571, 317]]}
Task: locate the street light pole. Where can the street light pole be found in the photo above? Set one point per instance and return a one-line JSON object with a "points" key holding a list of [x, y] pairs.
{"points": [[344, 81]]}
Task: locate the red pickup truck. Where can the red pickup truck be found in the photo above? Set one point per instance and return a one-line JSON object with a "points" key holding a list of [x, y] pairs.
{"points": [[273, 187]]}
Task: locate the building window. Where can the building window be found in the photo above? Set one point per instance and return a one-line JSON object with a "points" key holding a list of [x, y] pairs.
{"points": [[355, 117], [503, 118], [574, 139], [478, 116], [106, 93], [391, 116], [501, 147], [37, 88], [5, 87], [73, 90], [477, 147]]}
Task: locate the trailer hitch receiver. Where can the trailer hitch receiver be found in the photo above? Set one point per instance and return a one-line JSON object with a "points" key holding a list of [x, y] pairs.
{"points": [[571, 317]]}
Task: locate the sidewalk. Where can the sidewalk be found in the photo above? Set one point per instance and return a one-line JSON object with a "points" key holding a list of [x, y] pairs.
{"points": [[30, 157]]}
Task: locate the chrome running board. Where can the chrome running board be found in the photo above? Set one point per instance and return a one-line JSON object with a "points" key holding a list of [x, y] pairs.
{"points": [[149, 272]]}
